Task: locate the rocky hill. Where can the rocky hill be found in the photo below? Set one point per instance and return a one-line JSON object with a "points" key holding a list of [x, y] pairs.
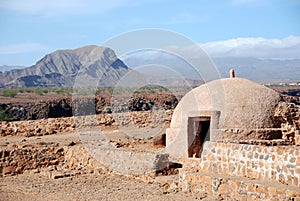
{"points": [[94, 64]]}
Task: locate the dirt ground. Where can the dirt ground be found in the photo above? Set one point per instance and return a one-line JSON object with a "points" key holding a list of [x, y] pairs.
{"points": [[83, 187], [36, 186]]}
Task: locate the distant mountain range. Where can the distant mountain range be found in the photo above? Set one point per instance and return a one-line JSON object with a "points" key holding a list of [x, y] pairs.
{"points": [[259, 70], [99, 66], [89, 66]]}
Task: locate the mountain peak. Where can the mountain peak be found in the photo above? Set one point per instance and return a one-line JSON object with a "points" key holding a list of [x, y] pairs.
{"points": [[94, 62]]}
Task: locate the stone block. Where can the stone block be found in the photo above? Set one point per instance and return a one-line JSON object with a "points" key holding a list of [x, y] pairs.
{"points": [[296, 181], [289, 179], [8, 170], [224, 189], [297, 140], [242, 171], [251, 187], [298, 161], [280, 191], [252, 174], [234, 185], [272, 191], [260, 189], [280, 151], [205, 179], [297, 170], [290, 193]]}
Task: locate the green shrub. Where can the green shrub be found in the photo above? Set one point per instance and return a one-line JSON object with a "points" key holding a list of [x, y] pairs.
{"points": [[28, 90], [106, 110], [5, 117], [9, 92], [59, 91], [38, 91]]}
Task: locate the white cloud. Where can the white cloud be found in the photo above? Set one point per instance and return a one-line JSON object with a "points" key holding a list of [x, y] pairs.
{"points": [[21, 48], [255, 47], [58, 7]]}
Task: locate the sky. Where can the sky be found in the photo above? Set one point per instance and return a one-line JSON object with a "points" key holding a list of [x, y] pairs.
{"points": [[256, 28]]}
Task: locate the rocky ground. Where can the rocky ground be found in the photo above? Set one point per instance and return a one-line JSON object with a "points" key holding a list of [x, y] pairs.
{"points": [[84, 187], [43, 168], [47, 159]]}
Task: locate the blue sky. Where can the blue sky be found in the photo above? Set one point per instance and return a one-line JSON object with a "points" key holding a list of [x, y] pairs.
{"points": [[32, 28]]}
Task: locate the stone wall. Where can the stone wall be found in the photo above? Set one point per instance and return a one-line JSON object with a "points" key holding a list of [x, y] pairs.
{"points": [[129, 162], [240, 170], [56, 161], [22, 158], [220, 187], [68, 124], [37, 127], [76, 158], [51, 159]]}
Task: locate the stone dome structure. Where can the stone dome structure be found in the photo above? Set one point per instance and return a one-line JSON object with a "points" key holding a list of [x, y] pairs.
{"points": [[228, 109]]}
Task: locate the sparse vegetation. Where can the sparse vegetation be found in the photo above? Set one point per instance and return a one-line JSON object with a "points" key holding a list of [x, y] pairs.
{"points": [[35, 90], [107, 110], [83, 91], [39, 91], [9, 92], [5, 117], [92, 91]]}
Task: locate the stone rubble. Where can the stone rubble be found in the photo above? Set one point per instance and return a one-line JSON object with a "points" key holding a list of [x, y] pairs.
{"points": [[51, 126]]}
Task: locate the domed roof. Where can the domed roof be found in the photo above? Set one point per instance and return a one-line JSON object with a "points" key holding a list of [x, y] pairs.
{"points": [[242, 104]]}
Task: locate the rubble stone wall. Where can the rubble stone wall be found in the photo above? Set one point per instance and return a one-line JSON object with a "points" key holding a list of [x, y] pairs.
{"points": [[17, 160], [228, 188], [68, 124], [228, 169]]}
